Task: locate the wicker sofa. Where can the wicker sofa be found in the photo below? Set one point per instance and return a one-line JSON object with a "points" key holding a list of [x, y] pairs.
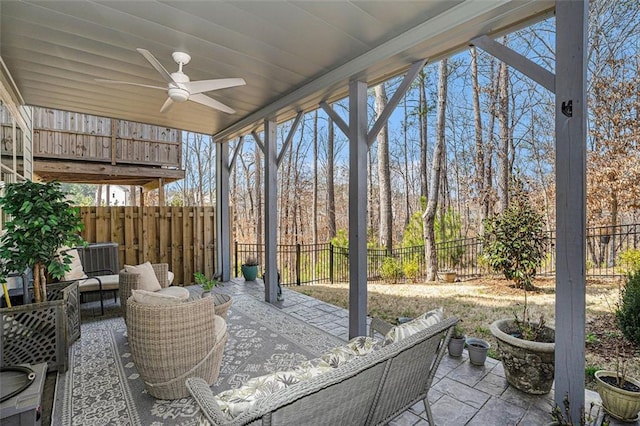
{"points": [[370, 389], [170, 343]]}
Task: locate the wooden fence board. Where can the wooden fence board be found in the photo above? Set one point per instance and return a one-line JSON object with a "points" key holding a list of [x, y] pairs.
{"points": [[183, 237]]}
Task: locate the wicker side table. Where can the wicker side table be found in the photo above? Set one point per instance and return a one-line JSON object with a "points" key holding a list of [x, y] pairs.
{"points": [[222, 304]]}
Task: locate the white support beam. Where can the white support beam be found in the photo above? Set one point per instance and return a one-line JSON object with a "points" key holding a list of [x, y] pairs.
{"points": [[571, 147], [287, 141], [358, 149], [259, 142], [270, 211], [335, 117], [223, 224], [395, 99], [540, 75]]}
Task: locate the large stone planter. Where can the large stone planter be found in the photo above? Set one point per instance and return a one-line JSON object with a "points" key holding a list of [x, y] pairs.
{"points": [[42, 332], [528, 365]]}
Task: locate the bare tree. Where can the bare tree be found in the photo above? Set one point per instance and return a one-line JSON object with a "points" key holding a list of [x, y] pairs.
{"points": [[503, 153], [385, 235], [429, 214]]}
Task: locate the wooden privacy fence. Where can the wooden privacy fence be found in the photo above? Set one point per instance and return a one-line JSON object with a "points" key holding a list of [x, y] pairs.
{"points": [[183, 237]]}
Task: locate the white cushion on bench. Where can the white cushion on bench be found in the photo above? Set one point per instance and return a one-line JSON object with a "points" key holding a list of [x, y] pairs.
{"points": [[405, 330], [109, 282]]}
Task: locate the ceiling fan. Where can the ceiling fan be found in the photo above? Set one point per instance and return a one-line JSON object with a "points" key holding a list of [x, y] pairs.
{"points": [[180, 88]]}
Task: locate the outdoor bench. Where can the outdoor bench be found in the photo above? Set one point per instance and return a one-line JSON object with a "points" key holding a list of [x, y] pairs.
{"points": [[365, 382]]}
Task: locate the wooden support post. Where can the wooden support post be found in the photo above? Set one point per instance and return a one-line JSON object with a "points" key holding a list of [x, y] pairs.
{"points": [[571, 133], [358, 149], [161, 195], [223, 246], [270, 211], [114, 132]]}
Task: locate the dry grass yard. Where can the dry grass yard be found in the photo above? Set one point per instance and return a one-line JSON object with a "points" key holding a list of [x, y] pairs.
{"points": [[479, 302]]}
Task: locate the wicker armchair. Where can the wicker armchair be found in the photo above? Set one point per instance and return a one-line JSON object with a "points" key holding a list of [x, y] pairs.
{"points": [[129, 281], [170, 343]]}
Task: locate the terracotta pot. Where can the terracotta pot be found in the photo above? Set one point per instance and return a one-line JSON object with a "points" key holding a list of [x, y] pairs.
{"points": [[528, 365], [622, 404], [448, 277]]}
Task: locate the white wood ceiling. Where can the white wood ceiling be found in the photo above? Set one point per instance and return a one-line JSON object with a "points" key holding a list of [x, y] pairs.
{"points": [[292, 54]]}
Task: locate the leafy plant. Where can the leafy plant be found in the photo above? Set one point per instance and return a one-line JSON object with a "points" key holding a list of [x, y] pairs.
{"points": [[629, 306], [390, 270], [458, 331], [206, 283], [411, 269], [41, 222], [630, 260], [563, 416], [514, 242]]}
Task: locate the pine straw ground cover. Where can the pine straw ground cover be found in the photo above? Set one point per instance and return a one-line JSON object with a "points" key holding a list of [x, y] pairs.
{"points": [[479, 302]]}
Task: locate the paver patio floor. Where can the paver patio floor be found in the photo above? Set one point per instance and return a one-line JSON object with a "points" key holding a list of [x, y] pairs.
{"points": [[462, 394]]}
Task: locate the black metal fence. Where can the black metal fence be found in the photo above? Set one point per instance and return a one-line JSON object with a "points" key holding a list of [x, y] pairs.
{"points": [[308, 263]]}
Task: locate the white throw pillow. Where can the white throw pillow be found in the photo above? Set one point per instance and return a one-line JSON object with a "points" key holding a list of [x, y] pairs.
{"points": [[77, 271], [148, 280], [405, 330], [145, 297]]}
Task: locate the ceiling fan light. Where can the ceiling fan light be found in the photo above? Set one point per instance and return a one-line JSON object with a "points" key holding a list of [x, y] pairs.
{"points": [[178, 94]]}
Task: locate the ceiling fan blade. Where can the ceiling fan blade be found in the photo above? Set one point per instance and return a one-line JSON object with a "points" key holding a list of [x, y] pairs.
{"points": [[200, 86], [157, 65], [210, 102], [99, 80], [167, 105]]}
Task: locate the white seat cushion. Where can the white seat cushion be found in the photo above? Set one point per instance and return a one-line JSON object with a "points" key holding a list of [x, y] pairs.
{"points": [[145, 297], [175, 291], [109, 282], [148, 280], [170, 276]]}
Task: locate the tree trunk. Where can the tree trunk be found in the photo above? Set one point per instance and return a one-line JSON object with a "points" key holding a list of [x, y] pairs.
{"points": [[503, 153], [385, 237], [429, 214], [483, 196], [422, 113], [331, 192]]}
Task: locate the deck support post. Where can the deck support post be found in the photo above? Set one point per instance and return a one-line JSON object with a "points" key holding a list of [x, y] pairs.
{"points": [[571, 134], [358, 152], [223, 224], [270, 150]]}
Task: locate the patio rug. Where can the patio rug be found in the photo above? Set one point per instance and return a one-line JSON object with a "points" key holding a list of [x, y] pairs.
{"points": [[102, 385]]}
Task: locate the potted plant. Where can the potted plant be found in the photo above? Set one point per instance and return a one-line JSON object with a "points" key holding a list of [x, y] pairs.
{"points": [[514, 243], [456, 343], [620, 394], [478, 350], [41, 223], [207, 284], [448, 275], [250, 269]]}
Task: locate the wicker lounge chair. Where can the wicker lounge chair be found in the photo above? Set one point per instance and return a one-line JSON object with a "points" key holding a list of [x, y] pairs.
{"points": [[369, 390], [129, 281], [170, 343]]}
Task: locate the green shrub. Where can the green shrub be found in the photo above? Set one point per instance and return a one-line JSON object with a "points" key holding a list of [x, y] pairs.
{"points": [[630, 260], [628, 313], [411, 269], [514, 242], [390, 270]]}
